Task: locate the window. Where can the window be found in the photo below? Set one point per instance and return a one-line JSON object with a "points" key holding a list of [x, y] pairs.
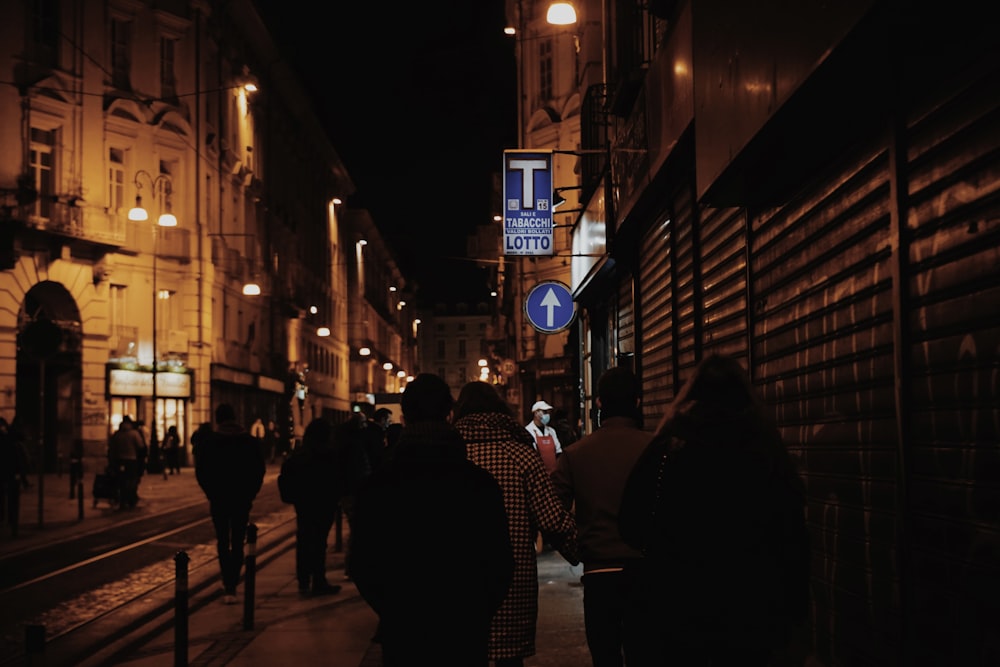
{"points": [[116, 180], [116, 306], [121, 54], [45, 31], [461, 348], [545, 69], [164, 185], [461, 326], [168, 83], [440, 349], [43, 143]]}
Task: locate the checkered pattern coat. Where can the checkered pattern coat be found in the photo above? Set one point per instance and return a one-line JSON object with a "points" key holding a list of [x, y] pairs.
{"points": [[502, 446]]}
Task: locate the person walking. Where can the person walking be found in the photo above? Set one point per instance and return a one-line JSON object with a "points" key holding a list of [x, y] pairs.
{"points": [[546, 440], [172, 450], [353, 443], [717, 506], [13, 475], [444, 517], [497, 443], [590, 477], [259, 431], [126, 451], [229, 467], [270, 442], [311, 472]]}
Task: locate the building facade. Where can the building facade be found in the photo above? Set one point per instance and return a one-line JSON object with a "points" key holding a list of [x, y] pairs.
{"points": [[815, 193], [186, 109]]}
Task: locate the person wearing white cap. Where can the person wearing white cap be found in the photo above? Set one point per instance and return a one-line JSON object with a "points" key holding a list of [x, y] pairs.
{"points": [[546, 441]]}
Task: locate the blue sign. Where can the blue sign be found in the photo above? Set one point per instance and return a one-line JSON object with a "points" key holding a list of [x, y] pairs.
{"points": [[527, 196], [549, 307]]}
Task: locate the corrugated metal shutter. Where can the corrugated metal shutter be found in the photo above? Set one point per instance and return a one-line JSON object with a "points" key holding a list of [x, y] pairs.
{"points": [[656, 308], [687, 308], [724, 282], [822, 345], [953, 169]]}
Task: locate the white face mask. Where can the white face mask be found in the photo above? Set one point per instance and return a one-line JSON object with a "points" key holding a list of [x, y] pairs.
{"points": [[545, 418]]}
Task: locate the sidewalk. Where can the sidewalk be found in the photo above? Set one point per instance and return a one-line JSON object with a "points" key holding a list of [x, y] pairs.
{"points": [[62, 517], [285, 627], [290, 629]]}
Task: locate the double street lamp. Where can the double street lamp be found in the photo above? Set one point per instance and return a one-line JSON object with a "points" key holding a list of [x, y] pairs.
{"points": [[163, 185]]}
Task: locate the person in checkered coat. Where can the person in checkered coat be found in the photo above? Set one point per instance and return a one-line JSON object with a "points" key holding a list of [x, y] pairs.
{"points": [[497, 442]]}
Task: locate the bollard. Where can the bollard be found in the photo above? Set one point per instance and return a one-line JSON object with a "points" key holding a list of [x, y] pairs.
{"points": [[79, 501], [34, 644], [338, 543], [181, 561], [249, 581]]}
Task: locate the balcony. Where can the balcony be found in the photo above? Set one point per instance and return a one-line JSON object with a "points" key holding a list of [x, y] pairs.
{"points": [[68, 218]]}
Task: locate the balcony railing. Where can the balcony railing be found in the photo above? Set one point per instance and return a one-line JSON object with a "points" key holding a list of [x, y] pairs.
{"points": [[93, 224]]}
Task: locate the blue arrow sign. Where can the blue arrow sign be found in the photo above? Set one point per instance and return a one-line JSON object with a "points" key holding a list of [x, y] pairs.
{"points": [[549, 306]]}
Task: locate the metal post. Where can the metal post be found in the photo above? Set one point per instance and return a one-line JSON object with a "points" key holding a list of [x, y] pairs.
{"points": [[338, 544], [153, 444], [41, 443], [249, 580], [34, 645], [79, 501], [181, 561]]}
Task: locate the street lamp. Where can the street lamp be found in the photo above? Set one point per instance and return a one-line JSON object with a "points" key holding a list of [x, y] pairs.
{"points": [[166, 219]]}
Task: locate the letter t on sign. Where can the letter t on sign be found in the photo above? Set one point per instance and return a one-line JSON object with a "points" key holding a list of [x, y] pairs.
{"points": [[527, 169]]}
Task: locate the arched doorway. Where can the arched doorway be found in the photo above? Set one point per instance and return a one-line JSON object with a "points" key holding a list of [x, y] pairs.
{"points": [[49, 374]]}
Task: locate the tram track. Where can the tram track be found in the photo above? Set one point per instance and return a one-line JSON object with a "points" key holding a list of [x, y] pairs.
{"points": [[111, 614]]}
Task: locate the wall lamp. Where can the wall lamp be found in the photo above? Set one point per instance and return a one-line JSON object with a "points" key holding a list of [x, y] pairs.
{"points": [[561, 13], [365, 352], [139, 214], [558, 13], [323, 332]]}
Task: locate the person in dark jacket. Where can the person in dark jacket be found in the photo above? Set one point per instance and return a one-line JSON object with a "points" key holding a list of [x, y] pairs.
{"points": [[315, 478], [717, 506], [229, 467], [590, 477], [431, 523]]}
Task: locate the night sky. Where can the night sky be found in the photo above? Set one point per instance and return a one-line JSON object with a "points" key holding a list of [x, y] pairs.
{"points": [[420, 102]]}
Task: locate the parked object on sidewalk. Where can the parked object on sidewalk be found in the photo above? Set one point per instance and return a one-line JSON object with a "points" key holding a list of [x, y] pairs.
{"points": [[106, 487], [430, 524], [496, 442]]}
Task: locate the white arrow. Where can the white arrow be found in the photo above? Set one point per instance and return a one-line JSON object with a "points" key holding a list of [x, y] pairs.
{"points": [[551, 301]]}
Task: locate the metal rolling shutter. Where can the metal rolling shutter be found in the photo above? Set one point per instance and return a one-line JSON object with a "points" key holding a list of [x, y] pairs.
{"points": [[724, 282], [822, 348], [656, 320], [953, 167], [687, 307]]}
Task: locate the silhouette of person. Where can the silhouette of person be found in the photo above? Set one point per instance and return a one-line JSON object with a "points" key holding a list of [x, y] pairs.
{"points": [[229, 467], [172, 450], [13, 475], [590, 477], [717, 506], [444, 517], [498, 443], [125, 456]]}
